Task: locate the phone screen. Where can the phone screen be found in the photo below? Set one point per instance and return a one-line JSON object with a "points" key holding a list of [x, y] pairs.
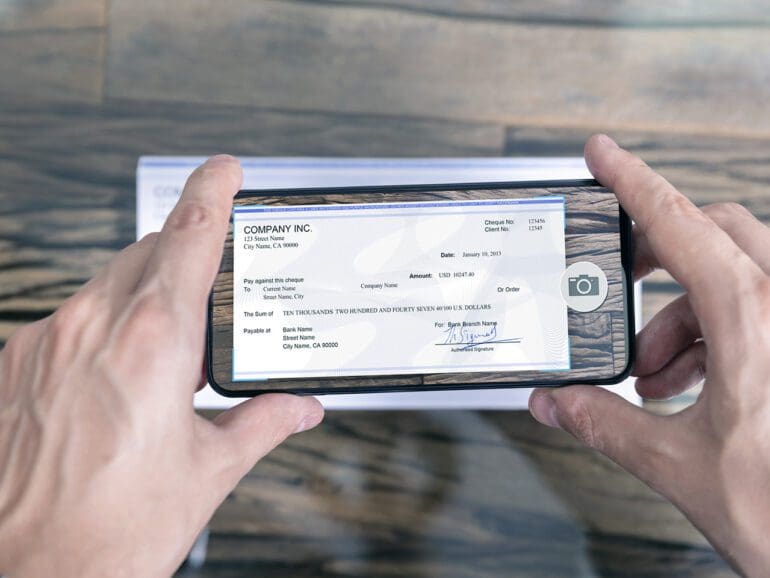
{"points": [[399, 288]]}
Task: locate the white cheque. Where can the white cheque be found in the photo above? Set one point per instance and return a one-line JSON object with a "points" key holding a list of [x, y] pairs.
{"points": [[399, 288]]}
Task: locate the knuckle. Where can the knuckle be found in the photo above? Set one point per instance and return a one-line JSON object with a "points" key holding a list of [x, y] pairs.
{"points": [[752, 285], [149, 310], [723, 213], [77, 326], [582, 424], [676, 203], [72, 315], [193, 215], [669, 204], [627, 176], [145, 320]]}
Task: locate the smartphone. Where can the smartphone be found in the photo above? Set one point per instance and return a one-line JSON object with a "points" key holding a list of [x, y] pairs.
{"points": [[425, 287]]}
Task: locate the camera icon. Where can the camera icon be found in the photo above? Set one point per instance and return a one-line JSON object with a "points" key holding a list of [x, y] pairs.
{"points": [[583, 286]]}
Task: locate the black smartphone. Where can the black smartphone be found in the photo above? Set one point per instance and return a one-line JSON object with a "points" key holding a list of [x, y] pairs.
{"points": [[426, 287]]}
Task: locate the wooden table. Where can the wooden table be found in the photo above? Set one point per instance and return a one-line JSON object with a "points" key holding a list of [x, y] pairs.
{"points": [[86, 86]]}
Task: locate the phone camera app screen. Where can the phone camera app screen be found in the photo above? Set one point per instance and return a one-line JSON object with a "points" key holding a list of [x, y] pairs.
{"points": [[421, 288]]}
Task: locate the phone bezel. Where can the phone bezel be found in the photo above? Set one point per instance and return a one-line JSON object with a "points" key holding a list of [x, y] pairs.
{"points": [[626, 259]]}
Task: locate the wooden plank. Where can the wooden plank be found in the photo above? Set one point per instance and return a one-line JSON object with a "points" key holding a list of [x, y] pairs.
{"points": [[52, 14], [54, 65], [528, 556], [52, 49], [621, 13], [67, 196], [448, 493], [380, 60]]}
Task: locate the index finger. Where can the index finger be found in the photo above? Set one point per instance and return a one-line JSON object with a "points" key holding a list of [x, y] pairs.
{"points": [[189, 248], [686, 242]]}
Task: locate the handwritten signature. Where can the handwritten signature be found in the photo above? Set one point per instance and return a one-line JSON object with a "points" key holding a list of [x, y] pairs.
{"points": [[466, 337]]}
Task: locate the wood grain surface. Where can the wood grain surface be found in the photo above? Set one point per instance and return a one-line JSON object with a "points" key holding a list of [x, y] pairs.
{"points": [[618, 14], [86, 90], [73, 15], [447, 494], [381, 58], [52, 50]]}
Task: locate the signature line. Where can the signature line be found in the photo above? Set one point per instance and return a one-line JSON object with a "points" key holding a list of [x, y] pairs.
{"points": [[512, 340], [470, 344]]}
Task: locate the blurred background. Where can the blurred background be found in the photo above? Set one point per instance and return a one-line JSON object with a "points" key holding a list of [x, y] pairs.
{"points": [[87, 86]]}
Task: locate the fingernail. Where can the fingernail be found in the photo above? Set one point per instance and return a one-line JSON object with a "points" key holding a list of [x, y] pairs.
{"points": [[607, 141], [222, 159], [543, 409]]}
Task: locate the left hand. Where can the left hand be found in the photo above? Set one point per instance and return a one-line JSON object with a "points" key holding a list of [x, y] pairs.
{"points": [[106, 468]]}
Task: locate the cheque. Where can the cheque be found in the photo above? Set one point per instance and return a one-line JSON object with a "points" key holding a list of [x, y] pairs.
{"points": [[399, 288]]}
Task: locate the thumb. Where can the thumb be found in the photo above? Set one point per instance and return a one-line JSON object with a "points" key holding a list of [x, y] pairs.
{"points": [[633, 438], [255, 427]]}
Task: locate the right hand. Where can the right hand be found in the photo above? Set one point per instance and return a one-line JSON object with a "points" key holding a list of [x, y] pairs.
{"points": [[711, 459]]}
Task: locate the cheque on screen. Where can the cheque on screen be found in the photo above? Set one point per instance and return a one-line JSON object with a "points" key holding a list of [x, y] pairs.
{"points": [[399, 288]]}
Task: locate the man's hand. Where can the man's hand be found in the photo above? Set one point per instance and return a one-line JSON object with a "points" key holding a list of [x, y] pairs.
{"points": [[711, 460], [105, 469]]}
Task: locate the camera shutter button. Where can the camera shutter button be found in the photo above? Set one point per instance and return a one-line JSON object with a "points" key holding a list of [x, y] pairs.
{"points": [[584, 286]]}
